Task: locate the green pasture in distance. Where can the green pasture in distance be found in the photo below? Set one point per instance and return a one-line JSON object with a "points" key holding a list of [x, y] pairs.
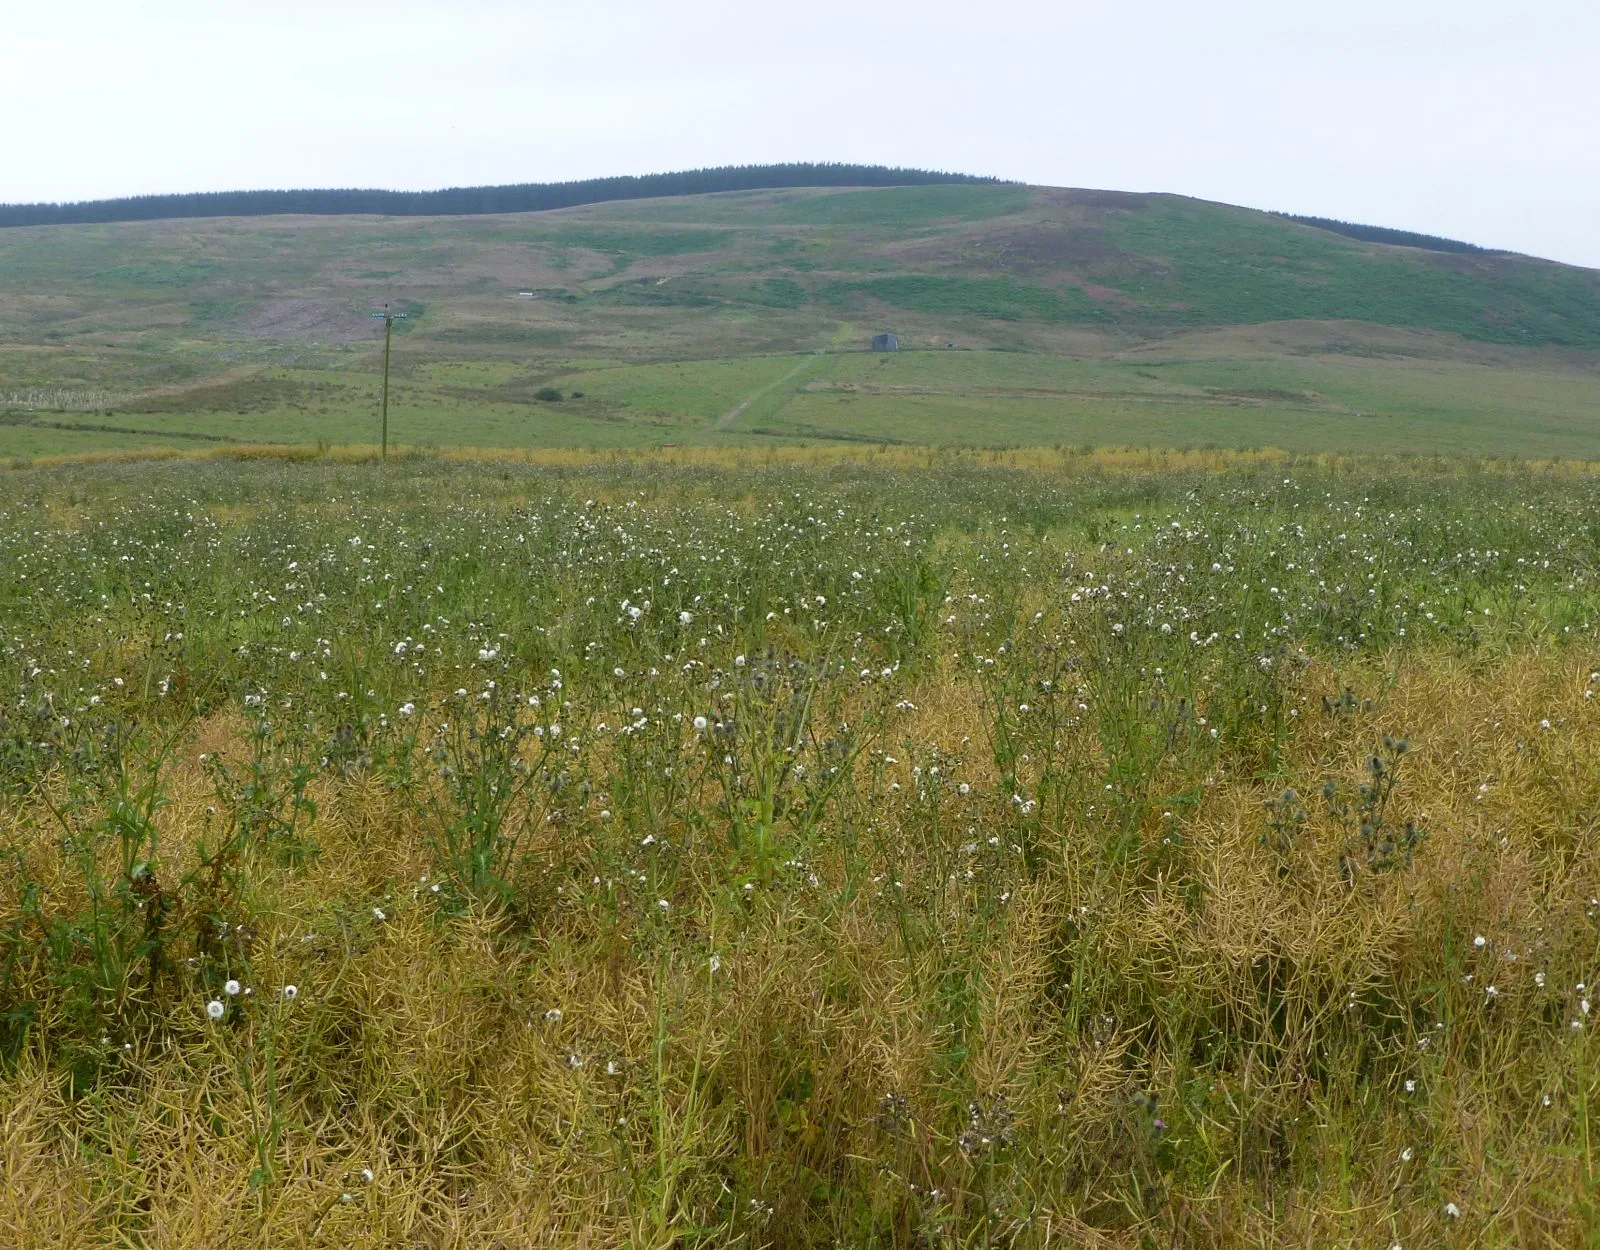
{"points": [[988, 371], [955, 397], [413, 421], [703, 390], [21, 443], [1114, 422], [994, 398]]}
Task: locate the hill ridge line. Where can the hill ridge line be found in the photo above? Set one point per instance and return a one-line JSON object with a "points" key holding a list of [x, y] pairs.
{"points": [[478, 200]]}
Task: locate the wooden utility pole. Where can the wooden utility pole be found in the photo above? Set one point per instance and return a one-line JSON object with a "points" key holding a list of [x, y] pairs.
{"points": [[388, 337], [388, 334]]}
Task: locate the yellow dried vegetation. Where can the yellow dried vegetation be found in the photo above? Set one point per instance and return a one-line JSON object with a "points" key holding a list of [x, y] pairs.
{"points": [[928, 1032]]}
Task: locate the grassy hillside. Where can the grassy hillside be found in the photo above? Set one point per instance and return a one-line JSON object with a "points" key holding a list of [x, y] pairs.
{"points": [[1033, 315]]}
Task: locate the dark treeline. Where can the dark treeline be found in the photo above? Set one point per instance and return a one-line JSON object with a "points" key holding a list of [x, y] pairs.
{"points": [[1382, 234], [522, 198]]}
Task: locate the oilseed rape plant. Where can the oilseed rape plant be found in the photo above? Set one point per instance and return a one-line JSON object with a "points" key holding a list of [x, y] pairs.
{"points": [[799, 851]]}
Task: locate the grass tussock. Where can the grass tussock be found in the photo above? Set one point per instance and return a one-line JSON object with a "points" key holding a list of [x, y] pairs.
{"points": [[798, 855]]}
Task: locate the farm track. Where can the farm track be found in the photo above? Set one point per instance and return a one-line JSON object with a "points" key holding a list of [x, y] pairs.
{"points": [[738, 410]]}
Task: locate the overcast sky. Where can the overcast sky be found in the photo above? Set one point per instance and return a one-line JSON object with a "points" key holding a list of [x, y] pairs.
{"points": [[1466, 118]]}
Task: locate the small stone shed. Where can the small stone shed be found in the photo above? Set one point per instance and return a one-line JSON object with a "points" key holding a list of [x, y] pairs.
{"points": [[885, 343]]}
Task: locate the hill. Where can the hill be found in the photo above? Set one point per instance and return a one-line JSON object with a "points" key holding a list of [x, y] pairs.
{"points": [[1033, 315]]}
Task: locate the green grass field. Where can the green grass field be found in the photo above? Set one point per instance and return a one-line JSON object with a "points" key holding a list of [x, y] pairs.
{"points": [[1029, 316]]}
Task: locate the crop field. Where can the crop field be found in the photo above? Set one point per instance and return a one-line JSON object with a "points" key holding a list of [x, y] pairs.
{"points": [[868, 848]]}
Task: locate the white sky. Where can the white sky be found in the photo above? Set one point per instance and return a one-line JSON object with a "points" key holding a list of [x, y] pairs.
{"points": [[1469, 118]]}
